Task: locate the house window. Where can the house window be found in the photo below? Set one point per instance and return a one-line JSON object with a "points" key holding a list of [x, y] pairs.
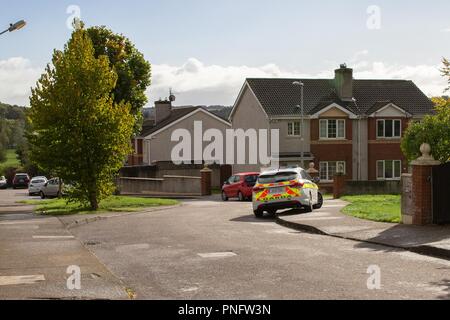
{"points": [[294, 129], [389, 129], [332, 129], [389, 170], [328, 169]]}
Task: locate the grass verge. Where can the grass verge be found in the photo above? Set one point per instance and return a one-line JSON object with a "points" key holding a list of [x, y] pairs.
{"points": [[111, 204], [381, 208]]}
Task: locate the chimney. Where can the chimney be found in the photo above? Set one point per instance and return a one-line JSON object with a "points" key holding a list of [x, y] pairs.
{"points": [[163, 110], [344, 82]]}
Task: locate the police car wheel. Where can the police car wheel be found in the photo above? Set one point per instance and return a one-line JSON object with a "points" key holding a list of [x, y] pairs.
{"points": [[258, 213], [309, 208], [320, 202]]}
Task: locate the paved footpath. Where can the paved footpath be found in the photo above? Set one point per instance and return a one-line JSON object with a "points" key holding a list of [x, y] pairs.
{"points": [[35, 253], [429, 240]]}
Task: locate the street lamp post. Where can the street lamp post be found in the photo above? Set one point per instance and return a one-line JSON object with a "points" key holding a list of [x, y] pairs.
{"points": [[302, 110], [16, 26]]}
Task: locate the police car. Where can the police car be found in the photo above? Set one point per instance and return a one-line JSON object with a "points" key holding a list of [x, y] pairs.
{"points": [[287, 188]]}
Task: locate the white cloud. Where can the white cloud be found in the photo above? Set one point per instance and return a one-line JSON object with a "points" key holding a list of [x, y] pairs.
{"points": [[199, 84], [446, 30], [17, 76]]}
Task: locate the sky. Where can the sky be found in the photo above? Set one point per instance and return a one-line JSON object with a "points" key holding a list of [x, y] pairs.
{"points": [[205, 49]]}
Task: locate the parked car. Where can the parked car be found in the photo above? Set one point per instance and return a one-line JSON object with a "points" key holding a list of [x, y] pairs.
{"points": [[51, 189], [285, 189], [240, 186], [36, 185], [21, 180], [3, 183]]}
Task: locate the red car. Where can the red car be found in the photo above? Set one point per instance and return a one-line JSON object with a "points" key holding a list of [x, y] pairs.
{"points": [[240, 186]]}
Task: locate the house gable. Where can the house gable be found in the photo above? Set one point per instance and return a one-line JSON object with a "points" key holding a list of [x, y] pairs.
{"points": [[246, 94], [333, 111], [390, 111]]}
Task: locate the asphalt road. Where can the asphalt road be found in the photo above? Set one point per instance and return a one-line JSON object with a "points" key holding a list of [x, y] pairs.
{"points": [[216, 250], [203, 250], [36, 252]]}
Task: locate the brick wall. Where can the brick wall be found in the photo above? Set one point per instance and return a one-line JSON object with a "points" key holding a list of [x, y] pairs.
{"points": [[422, 199]]}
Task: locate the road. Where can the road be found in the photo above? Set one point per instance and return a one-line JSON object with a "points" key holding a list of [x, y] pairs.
{"points": [[36, 252], [213, 250]]}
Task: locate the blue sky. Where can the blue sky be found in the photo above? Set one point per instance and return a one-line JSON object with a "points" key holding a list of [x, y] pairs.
{"points": [[204, 49]]}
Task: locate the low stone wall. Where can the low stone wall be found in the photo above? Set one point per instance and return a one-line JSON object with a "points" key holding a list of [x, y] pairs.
{"points": [[167, 185], [371, 187], [169, 169]]}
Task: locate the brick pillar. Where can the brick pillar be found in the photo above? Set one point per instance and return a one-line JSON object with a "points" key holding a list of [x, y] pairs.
{"points": [[338, 186], [206, 181], [422, 205]]}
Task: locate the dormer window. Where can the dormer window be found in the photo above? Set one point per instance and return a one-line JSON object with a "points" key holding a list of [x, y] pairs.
{"points": [[332, 129], [389, 129]]}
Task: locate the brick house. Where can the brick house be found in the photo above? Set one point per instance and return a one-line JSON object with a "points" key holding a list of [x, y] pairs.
{"points": [[350, 126]]}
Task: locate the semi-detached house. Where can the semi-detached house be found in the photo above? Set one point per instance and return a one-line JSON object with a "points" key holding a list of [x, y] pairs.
{"points": [[350, 126]]}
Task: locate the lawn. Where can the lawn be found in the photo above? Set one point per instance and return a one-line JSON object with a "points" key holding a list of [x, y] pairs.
{"points": [[111, 204], [382, 208], [10, 161]]}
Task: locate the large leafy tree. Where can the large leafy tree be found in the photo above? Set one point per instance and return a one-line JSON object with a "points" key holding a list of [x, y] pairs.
{"points": [[133, 71], [78, 131]]}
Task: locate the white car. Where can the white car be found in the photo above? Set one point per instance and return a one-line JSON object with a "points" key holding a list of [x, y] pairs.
{"points": [[36, 185], [3, 183], [51, 189], [285, 189]]}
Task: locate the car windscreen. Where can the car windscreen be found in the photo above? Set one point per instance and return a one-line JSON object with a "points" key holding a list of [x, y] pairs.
{"points": [[277, 178], [38, 181], [251, 180]]}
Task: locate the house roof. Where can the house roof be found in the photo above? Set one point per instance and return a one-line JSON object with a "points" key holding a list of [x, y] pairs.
{"points": [[177, 113], [279, 97]]}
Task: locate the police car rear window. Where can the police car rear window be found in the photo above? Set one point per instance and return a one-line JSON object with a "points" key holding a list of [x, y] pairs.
{"points": [[277, 178]]}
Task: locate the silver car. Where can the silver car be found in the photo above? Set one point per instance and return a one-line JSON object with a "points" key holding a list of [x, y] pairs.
{"points": [[285, 189], [51, 189], [3, 183], [36, 185]]}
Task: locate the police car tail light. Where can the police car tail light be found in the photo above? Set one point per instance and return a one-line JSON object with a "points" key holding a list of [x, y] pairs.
{"points": [[297, 185], [257, 189]]}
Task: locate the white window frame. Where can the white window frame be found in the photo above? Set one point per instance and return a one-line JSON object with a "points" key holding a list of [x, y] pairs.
{"points": [[394, 178], [343, 163], [291, 125], [393, 129], [337, 129]]}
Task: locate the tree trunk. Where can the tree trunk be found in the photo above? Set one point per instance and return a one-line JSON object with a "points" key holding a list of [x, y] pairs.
{"points": [[93, 201]]}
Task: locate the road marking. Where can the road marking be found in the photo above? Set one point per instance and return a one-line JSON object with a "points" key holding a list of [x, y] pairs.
{"points": [[53, 237], [217, 255], [16, 280]]}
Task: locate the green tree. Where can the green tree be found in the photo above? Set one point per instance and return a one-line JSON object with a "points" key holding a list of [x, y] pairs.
{"points": [[133, 71], [434, 130], [77, 130]]}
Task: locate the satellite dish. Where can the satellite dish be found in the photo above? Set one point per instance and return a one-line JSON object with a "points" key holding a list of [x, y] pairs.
{"points": [[172, 97]]}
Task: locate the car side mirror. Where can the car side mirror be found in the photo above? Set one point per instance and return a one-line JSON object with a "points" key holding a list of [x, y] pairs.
{"points": [[316, 180], [226, 183], [46, 184]]}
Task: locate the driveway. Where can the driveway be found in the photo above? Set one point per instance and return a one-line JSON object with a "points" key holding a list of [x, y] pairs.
{"points": [[213, 250]]}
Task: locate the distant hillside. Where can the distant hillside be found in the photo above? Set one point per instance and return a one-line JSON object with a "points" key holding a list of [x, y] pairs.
{"points": [[10, 112]]}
